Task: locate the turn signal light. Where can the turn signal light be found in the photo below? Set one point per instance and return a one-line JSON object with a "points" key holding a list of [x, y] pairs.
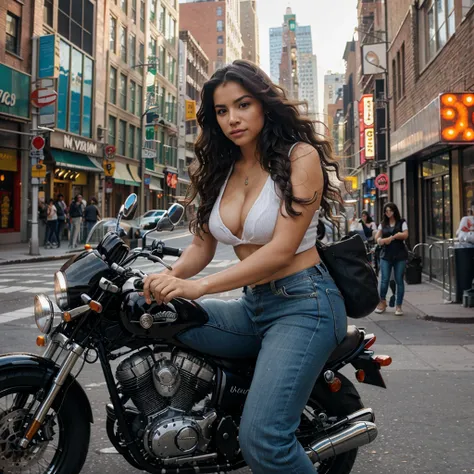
{"points": [[67, 316], [95, 306], [88, 246], [360, 375], [335, 385], [383, 360], [41, 341]]}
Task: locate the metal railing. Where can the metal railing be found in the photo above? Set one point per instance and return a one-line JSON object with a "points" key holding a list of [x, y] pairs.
{"points": [[440, 265]]}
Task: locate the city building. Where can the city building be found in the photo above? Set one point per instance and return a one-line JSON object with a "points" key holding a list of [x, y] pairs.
{"points": [[249, 31], [193, 73], [431, 135], [333, 90], [306, 63], [122, 88], [16, 23], [216, 27]]}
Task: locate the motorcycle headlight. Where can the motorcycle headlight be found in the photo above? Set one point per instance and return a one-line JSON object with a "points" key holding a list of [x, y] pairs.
{"points": [[44, 313], [60, 290]]}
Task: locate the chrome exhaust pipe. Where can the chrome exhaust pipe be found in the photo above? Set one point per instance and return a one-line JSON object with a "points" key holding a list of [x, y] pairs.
{"points": [[352, 436]]}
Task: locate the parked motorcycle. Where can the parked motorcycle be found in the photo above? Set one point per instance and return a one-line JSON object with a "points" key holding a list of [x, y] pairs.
{"points": [[172, 410]]}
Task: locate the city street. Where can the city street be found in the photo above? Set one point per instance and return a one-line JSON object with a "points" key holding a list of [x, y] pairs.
{"points": [[425, 417]]}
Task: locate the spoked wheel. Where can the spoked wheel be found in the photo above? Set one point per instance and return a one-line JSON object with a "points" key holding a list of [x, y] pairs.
{"points": [[60, 446], [333, 406]]}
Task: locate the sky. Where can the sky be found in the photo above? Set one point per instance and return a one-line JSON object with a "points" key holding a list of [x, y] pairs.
{"points": [[332, 25]]}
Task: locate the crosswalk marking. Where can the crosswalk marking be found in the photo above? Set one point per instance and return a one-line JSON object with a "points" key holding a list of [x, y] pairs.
{"points": [[12, 289], [18, 314]]}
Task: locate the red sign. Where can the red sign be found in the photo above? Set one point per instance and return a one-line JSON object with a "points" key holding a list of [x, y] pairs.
{"points": [[382, 182], [110, 151], [172, 180], [42, 97], [37, 143]]}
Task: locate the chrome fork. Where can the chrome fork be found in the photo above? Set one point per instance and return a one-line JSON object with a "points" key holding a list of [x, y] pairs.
{"points": [[75, 351]]}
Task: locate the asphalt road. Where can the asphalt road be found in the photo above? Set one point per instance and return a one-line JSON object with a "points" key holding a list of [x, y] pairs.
{"points": [[425, 417]]}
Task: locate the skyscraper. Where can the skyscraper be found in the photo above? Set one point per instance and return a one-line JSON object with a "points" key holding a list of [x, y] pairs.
{"points": [[306, 63], [249, 30], [333, 84]]}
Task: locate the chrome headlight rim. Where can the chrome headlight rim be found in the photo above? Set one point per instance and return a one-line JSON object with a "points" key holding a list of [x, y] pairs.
{"points": [[44, 313], [60, 290]]}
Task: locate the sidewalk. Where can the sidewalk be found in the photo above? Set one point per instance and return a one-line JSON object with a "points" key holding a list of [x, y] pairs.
{"points": [[20, 253]]}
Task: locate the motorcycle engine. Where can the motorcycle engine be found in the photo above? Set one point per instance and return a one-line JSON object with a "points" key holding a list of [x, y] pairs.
{"points": [[165, 389]]}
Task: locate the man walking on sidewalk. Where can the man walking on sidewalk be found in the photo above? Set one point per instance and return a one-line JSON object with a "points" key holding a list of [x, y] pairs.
{"points": [[75, 216], [62, 210]]}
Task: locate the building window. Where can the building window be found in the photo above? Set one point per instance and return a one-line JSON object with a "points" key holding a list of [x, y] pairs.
{"points": [[76, 23], [394, 79], [220, 39], [112, 34], [131, 97], [132, 46], [220, 25], [139, 100], [162, 62], [121, 137], [142, 15], [141, 55], [48, 12], [112, 130], [219, 11], [123, 5], [138, 143], [123, 43], [131, 141], [123, 92], [134, 11], [170, 33], [402, 52], [171, 68], [220, 51], [439, 18], [467, 177], [161, 25], [113, 85], [12, 43], [153, 11]]}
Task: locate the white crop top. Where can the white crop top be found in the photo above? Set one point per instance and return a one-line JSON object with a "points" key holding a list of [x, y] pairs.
{"points": [[260, 222]]}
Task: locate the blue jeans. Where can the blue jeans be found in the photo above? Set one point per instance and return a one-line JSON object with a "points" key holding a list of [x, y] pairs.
{"points": [[291, 326], [398, 270]]}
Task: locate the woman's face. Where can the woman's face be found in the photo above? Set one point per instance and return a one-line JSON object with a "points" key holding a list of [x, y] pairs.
{"points": [[364, 217], [238, 113], [389, 212]]}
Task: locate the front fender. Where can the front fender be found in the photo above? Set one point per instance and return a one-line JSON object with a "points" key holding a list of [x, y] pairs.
{"points": [[16, 361]]}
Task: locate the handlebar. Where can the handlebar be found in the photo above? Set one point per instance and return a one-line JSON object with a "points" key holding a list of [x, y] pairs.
{"points": [[172, 252]]}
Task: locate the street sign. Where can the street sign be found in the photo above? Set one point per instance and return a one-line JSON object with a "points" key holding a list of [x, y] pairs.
{"points": [[147, 153], [37, 143], [382, 182], [38, 171], [43, 97], [37, 155], [110, 151], [109, 167]]}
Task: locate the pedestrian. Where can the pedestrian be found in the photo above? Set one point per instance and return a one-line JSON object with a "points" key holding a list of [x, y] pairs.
{"points": [[75, 219], [262, 173], [91, 214], [465, 232], [62, 211], [391, 235], [368, 226], [51, 225]]}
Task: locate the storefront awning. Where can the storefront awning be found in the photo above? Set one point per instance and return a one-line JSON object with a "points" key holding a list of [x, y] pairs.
{"points": [[155, 184], [122, 175], [75, 161], [134, 172]]}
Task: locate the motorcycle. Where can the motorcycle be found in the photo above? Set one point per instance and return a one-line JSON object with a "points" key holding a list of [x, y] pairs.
{"points": [[171, 410]]}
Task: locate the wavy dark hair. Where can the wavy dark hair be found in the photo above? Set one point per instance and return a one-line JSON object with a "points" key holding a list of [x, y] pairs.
{"points": [[369, 217], [396, 214], [283, 126]]}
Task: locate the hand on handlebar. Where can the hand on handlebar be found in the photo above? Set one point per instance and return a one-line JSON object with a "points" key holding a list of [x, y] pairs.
{"points": [[164, 287]]}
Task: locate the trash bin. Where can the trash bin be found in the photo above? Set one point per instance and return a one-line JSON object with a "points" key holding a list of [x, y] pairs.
{"points": [[464, 269], [413, 269]]}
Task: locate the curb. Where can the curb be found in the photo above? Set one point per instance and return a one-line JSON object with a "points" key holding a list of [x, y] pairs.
{"points": [[440, 319], [38, 259]]}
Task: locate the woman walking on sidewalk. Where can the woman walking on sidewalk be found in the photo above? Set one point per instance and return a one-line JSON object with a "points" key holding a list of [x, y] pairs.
{"points": [[391, 235], [51, 225]]}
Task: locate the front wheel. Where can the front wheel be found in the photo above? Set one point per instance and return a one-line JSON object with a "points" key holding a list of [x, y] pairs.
{"points": [[62, 442], [335, 405]]}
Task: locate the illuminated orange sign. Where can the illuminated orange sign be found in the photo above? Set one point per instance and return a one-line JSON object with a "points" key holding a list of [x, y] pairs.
{"points": [[457, 117], [366, 128]]}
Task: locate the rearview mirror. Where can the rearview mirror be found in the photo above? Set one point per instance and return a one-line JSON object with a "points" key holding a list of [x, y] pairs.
{"points": [[130, 206], [175, 213]]}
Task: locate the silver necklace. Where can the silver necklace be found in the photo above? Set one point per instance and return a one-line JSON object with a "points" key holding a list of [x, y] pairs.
{"points": [[246, 182]]}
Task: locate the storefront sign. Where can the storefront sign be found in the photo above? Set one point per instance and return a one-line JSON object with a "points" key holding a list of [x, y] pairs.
{"points": [[8, 160], [48, 56], [14, 92], [64, 141], [43, 97], [171, 180], [366, 125], [190, 109], [38, 171], [457, 117], [382, 182], [109, 167]]}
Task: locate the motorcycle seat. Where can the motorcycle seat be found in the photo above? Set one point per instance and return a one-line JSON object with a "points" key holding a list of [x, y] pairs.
{"points": [[349, 344]]}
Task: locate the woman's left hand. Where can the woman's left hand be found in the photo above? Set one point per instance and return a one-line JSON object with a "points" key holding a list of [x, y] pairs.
{"points": [[166, 287]]}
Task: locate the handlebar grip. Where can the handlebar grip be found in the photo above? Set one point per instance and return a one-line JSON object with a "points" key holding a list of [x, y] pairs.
{"points": [[172, 252], [138, 284]]}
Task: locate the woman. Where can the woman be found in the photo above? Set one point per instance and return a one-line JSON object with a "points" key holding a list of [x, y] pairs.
{"points": [[391, 235], [368, 225], [465, 232], [262, 174], [75, 217], [51, 225], [91, 214]]}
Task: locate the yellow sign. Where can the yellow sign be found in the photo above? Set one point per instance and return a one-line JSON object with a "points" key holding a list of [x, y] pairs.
{"points": [[38, 171], [368, 104], [8, 161], [190, 109], [369, 143], [353, 181], [109, 167]]}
